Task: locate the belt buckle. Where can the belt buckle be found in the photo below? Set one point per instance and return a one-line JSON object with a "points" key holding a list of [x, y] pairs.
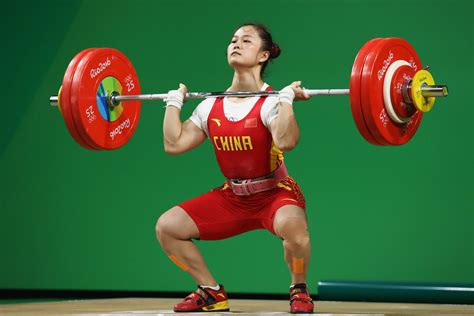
{"points": [[244, 185], [236, 181]]}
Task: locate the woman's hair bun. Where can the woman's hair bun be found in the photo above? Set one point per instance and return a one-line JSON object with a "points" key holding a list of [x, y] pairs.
{"points": [[275, 51]]}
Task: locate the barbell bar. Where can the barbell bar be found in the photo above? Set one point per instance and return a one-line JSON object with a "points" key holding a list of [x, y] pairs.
{"points": [[426, 91]]}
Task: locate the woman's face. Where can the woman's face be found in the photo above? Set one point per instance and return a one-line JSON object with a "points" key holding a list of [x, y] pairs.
{"points": [[244, 49]]}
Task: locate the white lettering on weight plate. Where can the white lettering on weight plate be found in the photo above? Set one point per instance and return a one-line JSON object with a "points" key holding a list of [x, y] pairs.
{"points": [[118, 130], [129, 83], [385, 65], [101, 67], [90, 114], [384, 117]]}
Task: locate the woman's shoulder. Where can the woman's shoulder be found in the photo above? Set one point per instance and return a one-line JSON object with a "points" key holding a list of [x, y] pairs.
{"points": [[206, 104]]}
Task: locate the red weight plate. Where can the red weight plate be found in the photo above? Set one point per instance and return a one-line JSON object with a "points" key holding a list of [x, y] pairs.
{"points": [[354, 88], [78, 123], [96, 123], [65, 101], [402, 74], [381, 56]]}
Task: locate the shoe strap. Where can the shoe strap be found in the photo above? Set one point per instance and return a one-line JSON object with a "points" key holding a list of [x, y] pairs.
{"points": [[301, 297], [300, 293], [196, 297], [206, 296], [296, 290]]}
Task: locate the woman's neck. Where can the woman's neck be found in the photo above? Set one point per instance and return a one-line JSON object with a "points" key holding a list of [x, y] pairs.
{"points": [[246, 80]]}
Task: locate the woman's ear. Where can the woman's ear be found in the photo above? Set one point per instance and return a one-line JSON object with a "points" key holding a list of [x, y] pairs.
{"points": [[264, 56]]}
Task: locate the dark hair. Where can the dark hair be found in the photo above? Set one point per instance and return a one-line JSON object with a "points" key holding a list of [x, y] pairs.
{"points": [[267, 43]]}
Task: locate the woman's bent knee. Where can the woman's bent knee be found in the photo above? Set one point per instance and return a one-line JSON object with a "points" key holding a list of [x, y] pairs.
{"points": [[297, 241], [176, 223]]}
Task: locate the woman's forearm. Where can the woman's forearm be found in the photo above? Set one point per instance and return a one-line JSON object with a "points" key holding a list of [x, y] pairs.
{"points": [[287, 132], [172, 126]]}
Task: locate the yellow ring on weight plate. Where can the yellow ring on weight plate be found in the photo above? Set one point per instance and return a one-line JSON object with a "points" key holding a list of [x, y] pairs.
{"points": [[422, 78], [59, 100]]}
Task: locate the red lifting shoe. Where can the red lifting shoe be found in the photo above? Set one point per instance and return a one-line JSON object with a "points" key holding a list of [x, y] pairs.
{"points": [[204, 300], [300, 301]]}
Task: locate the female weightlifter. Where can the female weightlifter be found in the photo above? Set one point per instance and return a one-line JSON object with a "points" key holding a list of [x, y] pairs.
{"points": [[249, 136]]}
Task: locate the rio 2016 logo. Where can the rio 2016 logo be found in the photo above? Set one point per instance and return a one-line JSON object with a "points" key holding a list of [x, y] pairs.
{"points": [[101, 67], [118, 130], [386, 63]]}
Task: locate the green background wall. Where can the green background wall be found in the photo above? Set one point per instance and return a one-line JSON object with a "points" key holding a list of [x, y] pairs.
{"points": [[76, 219]]}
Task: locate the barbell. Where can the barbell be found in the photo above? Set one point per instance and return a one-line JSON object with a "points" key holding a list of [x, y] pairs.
{"points": [[389, 91]]}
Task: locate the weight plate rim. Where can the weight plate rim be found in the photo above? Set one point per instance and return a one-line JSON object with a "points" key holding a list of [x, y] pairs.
{"points": [[79, 126], [355, 85], [65, 101], [370, 60]]}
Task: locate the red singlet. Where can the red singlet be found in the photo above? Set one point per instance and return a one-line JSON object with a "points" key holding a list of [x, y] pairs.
{"points": [[244, 149]]}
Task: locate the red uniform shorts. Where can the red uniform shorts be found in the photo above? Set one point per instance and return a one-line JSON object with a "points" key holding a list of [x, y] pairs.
{"points": [[221, 214]]}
